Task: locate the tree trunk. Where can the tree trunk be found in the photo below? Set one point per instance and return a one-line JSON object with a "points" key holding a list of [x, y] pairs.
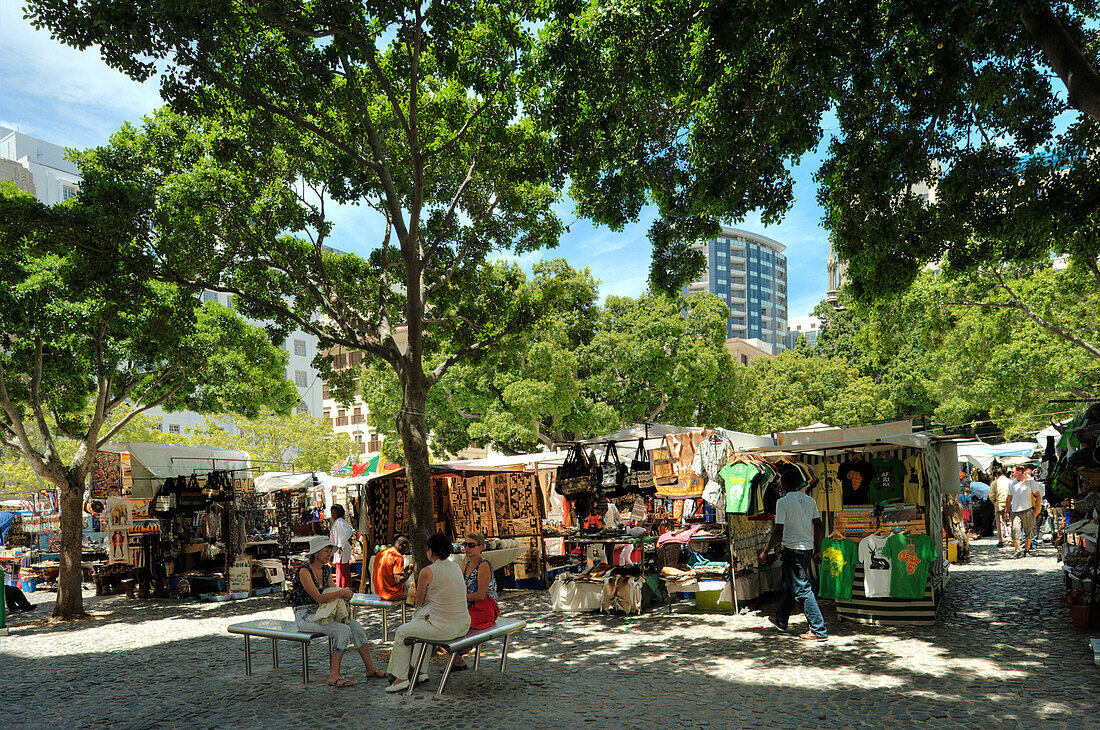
{"points": [[412, 426], [70, 599]]}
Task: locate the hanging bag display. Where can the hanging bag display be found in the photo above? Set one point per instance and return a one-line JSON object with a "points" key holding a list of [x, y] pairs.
{"points": [[664, 472], [641, 472], [612, 472], [574, 476]]}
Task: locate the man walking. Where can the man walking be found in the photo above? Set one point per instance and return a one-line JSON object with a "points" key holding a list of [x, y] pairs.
{"points": [[799, 530], [998, 493], [1020, 505]]}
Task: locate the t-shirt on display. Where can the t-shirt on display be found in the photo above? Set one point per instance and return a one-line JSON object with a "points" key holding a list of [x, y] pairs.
{"points": [[738, 478], [913, 489], [827, 491], [855, 481], [838, 564], [889, 478], [876, 566], [911, 558]]}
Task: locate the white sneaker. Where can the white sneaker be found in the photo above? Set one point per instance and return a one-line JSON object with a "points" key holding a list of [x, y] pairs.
{"points": [[400, 686]]}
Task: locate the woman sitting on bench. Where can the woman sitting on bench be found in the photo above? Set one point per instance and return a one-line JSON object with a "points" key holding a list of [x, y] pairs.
{"points": [[481, 587], [307, 595], [440, 609]]}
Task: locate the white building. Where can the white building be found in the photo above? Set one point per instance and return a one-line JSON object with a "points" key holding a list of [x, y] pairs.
{"points": [[37, 166], [748, 271], [807, 327]]}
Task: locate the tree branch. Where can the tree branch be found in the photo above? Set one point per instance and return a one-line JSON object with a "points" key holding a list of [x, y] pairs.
{"points": [[1049, 326], [478, 110], [1064, 56], [113, 430], [440, 370]]}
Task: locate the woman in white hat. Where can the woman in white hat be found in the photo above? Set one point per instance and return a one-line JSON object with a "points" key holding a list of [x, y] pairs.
{"points": [[306, 596]]}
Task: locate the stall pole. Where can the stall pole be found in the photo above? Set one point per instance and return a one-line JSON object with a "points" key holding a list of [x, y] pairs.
{"points": [[732, 572], [3, 606]]}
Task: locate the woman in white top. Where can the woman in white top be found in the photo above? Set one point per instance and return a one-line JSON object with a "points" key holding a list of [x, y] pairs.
{"points": [[440, 613]]}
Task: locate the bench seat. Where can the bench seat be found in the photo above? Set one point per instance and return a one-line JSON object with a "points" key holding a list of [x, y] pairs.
{"points": [[277, 631], [472, 640]]}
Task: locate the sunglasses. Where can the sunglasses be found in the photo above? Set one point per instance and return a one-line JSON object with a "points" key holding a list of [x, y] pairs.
{"points": [[470, 544]]}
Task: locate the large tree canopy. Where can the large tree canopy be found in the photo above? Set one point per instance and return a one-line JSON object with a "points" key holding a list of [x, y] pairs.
{"points": [[85, 339]]}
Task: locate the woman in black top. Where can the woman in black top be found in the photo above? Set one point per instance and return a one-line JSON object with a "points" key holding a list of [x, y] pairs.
{"points": [[306, 596]]}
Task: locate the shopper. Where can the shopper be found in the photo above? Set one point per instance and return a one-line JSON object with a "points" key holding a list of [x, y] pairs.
{"points": [[306, 596], [341, 534], [440, 613], [390, 573], [1021, 506], [799, 530], [998, 493]]}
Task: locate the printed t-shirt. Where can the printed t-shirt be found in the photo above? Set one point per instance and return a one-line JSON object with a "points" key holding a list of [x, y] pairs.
{"points": [[838, 564], [1021, 494], [738, 477], [856, 478], [889, 478], [876, 566], [796, 512], [827, 491], [914, 479], [911, 558]]}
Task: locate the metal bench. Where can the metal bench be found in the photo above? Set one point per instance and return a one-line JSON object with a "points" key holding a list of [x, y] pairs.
{"points": [[474, 639], [276, 631], [371, 600]]}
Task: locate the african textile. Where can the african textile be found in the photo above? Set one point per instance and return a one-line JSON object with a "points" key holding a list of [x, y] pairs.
{"points": [[106, 475]]}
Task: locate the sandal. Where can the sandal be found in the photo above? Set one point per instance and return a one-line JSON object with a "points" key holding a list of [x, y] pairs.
{"points": [[377, 674], [342, 682]]}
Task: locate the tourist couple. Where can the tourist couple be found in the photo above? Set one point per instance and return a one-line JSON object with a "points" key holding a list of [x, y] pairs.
{"points": [[449, 601]]}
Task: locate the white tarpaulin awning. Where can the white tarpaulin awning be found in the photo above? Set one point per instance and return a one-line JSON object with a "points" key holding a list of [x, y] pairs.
{"points": [[983, 455], [278, 481], [152, 463], [819, 436]]}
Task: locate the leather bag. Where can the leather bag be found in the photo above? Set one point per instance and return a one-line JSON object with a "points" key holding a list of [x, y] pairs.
{"points": [[641, 472]]}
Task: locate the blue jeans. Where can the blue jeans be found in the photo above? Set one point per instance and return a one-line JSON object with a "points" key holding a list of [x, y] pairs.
{"points": [[796, 587]]}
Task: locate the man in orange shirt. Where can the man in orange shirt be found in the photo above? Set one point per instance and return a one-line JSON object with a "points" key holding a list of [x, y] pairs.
{"points": [[389, 574]]}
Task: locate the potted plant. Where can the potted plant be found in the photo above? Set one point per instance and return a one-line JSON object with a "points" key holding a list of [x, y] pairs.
{"points": [[1079, 602]]}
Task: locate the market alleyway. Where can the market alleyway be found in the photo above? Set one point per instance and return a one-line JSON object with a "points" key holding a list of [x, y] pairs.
{"points": [[1004, 654]]}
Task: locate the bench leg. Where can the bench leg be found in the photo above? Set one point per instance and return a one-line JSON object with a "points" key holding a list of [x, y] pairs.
{"points": [[504, 654], [275, 653], [477, 656], [385, 626], [446, 674], [247, 657], [404, 612], [305, 662], [416, 666]]}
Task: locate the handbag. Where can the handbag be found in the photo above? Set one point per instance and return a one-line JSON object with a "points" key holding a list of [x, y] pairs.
{"points": [[574, 476], [641, 472], [612, 472]]}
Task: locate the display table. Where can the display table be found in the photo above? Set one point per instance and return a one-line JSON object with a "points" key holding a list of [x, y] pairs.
{"points": [[497, 558]]}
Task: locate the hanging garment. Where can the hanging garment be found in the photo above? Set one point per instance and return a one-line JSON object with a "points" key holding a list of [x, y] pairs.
{"points": [[712, 454], [856, 477], [889, 480], [827, 490], [913, 489], [738, 482], [838, 565], [911, 557], [877, 566]]}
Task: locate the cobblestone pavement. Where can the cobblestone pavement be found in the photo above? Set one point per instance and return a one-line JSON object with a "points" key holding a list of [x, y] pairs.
{"points": [[1003, 654]]}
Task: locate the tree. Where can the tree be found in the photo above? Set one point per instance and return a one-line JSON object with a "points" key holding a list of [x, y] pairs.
{"points": [[83, 338], [297, 441], [795, 390], [420, 112]]}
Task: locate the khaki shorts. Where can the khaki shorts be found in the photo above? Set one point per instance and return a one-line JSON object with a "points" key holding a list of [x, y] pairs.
{"points": [[1023, 524]]}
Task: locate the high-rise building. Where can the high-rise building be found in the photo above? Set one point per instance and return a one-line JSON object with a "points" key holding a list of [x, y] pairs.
{"points": [[40, 168], [748, 271]]}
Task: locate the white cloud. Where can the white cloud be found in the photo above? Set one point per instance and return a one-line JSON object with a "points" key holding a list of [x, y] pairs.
{"points": [[60, 94]]}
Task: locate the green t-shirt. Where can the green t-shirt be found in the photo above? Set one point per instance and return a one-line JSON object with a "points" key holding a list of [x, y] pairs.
{"points": [[738, 477], [911, 558], [889, 479], [838, 564]]}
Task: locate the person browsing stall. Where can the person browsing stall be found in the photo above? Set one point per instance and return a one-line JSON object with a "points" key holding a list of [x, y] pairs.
{"points": [[441, 610], [798, 528], [341, 534], [481, 587], [390, 573], [308, 594]]}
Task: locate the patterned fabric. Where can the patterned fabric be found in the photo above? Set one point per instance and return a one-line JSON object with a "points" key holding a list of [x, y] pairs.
{"points": [[471, 580], [298, 595], [106, 475]]}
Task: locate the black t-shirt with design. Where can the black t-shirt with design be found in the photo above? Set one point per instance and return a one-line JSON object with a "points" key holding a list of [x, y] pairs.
{"points": [[856, 478]]}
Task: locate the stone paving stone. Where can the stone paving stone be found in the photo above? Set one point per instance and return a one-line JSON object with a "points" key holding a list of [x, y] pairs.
{"points": [[1004, 653]]}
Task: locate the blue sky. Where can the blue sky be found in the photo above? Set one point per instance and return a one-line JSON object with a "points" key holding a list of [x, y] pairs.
{"points": [[73, 99]]}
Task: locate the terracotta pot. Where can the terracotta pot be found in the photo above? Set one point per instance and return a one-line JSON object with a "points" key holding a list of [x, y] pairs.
{"points": [[1080, 615]]}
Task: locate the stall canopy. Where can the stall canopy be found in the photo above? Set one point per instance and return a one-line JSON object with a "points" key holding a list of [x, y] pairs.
{"points": [[152, 463], [832, 438], [279, 481], [983, 455]]}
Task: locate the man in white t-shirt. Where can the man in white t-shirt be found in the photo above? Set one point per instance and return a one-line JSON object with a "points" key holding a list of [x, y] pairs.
{"points": [[1022, 507], [341, 534], [798, 528]]}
